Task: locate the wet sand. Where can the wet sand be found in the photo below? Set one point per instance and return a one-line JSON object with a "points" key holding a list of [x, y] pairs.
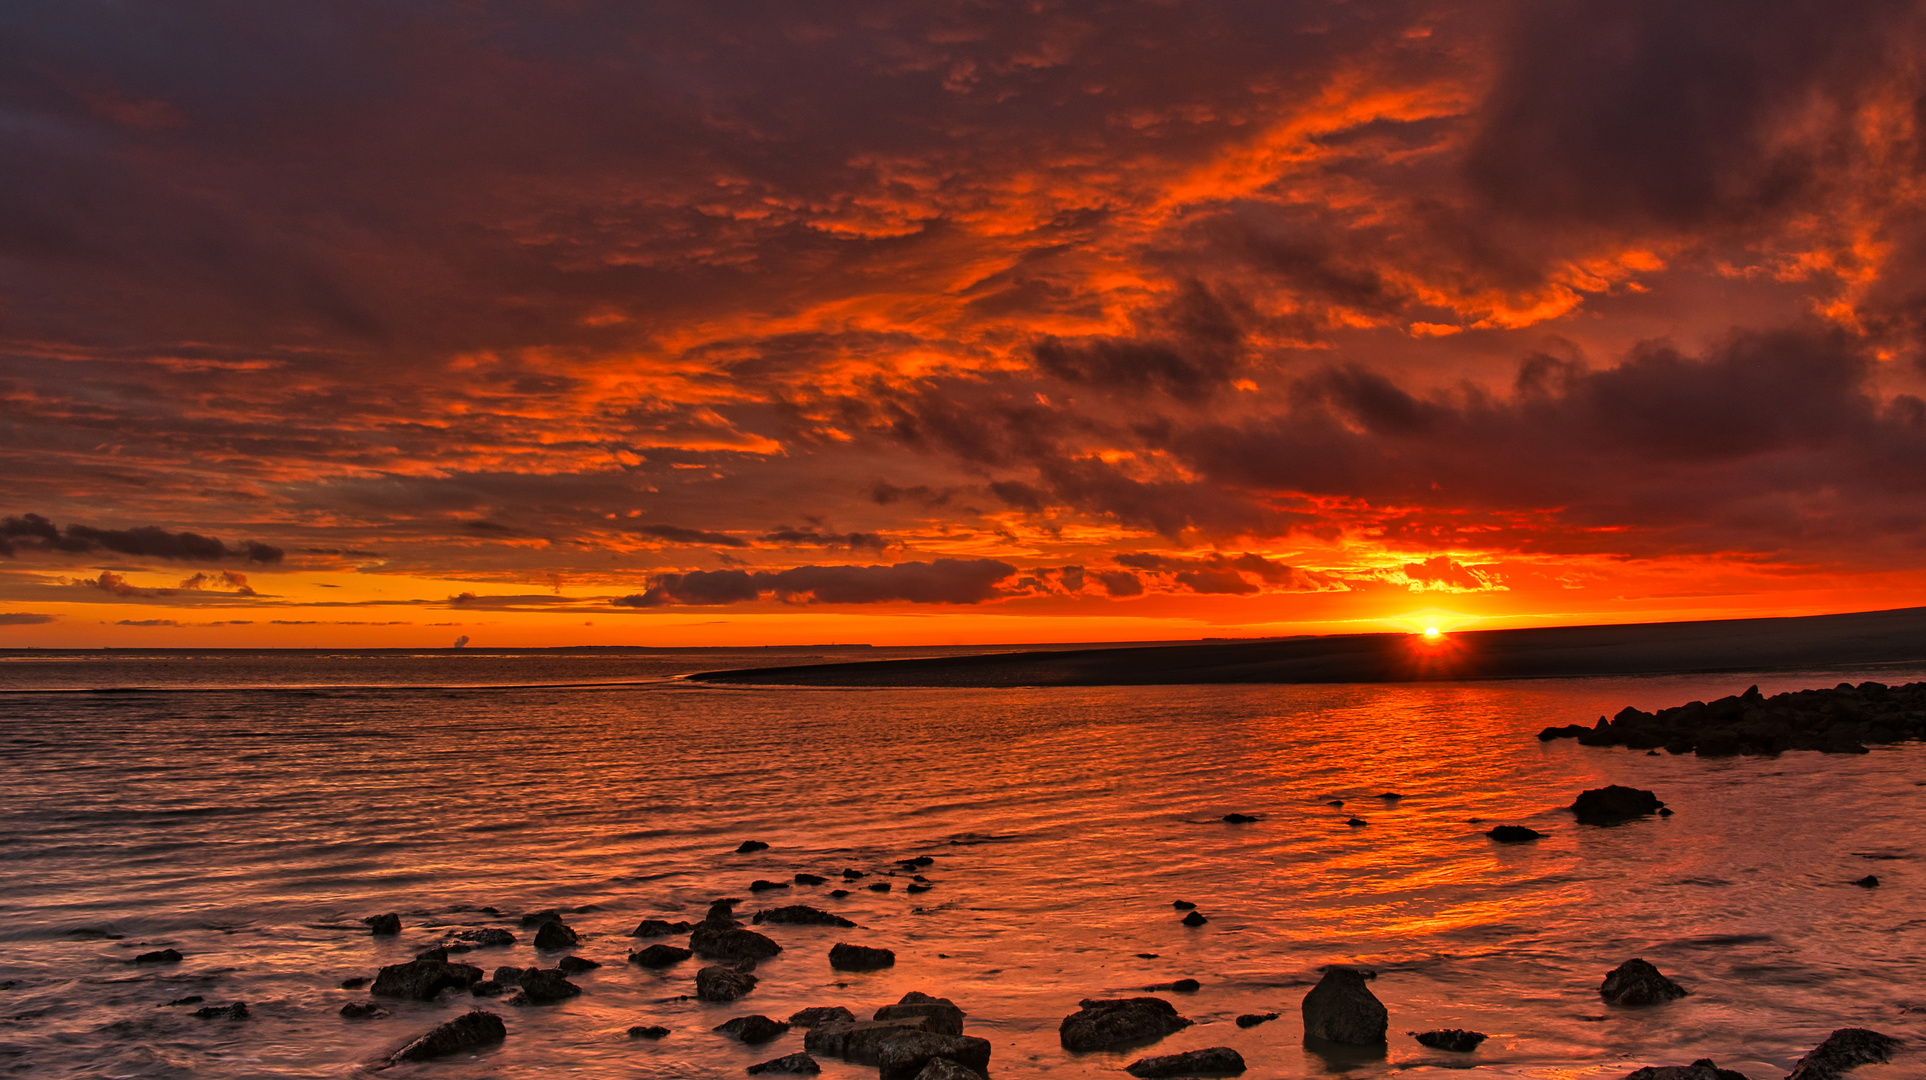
{"points": [[1863, 638]]}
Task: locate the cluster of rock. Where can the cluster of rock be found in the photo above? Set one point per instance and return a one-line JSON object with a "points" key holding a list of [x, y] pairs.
{"points": [[1837, 721]]}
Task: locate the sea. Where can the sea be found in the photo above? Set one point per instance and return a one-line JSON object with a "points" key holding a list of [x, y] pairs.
{"points": [[248, 809]]}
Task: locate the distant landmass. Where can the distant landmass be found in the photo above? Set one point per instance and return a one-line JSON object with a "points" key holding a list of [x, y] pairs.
{"points": [[1859, 639]]}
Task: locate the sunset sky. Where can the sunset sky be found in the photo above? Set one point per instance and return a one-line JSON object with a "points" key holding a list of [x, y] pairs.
{"points": [[572, 322]]}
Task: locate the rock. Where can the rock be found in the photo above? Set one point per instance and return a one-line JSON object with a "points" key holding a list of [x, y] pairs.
{"points": [[659, 956], [1847, 1048], [798, 1063], [648, 1031], [1868, 882], [1569, 731], [945, 1069], [799, 915], [236, 1011], [852, 875], [1195, 919], [493, 935], [1334, 802], [881, 886], [355, 983], [1240, 819], [1356, 822], [810, 879], [1181, 986], [1251, 1020], [916, 863], [423, 980], [362, 1010], [487, 988], [839, 893], [919, 887], [383, 925], [846, 957], [752, 1029], [1390, 796], [1183, 905], [658, 928], [1514, 834], [722, 983], [1457, 1040], [723, 941], [1702, 1069], [903, 1055], [1611, 805], [544, 988], [939, 1014], [1636, 982], [820, 1014], [510, 976], [1215, 1061], [469, 1031], [435, 952], [1342, 1009], [159, 956], [537, 918], [764, 885], [575, 965], [191, 999], [554, 937], [1109, 1023], [750, 846], [858, 1041]]}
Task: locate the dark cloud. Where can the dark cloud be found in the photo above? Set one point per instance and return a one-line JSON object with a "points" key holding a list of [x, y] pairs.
{"points": [[1187, 350], [810, 538], [1442, 571], [1121, 583], [148, 622], [33, 532], [942, 581], [25, 618], [676, 534]]}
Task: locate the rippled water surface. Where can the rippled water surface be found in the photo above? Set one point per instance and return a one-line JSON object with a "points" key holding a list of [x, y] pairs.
{"points": [[250, 826]]}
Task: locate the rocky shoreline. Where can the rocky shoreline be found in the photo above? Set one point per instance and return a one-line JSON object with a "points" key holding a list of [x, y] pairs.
{"points": [[1842, 720]]}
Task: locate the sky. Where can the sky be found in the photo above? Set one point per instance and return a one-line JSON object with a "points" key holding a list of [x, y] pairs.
{"points": [[393, 323]]}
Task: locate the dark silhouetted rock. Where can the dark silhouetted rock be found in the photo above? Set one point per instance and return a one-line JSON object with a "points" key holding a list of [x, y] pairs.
{"points": [[752, 1029], [839, 893], [487, 988], [852, 875], [490, 936], [469, 1031], [903, 1055], [1847, 1048], [919, 887], [1702, 1069], [1251, 1020], [945, 1069], [659, 955], [191, 999], [1183, 905], [1569, 731], [722, 910], [1342, 1009], [916, 863], [810, 879], [435, 952], [159, 956], [1356, 822], [384, 925], [659, 928], [1181, 986], [544, 988], [422, 980], [537, 918], [648, 1031], [846, 957], [798, 1064], [1636, 982], [1390, 796], [575, 965], [1215, 1061], [362, 1010], [1240, 819], [236, 1011], [750, 846], [821, 1014], [510, 976], [1514, 834], [880, 886], [939, 1014], [764, 885], [858, 1041], [722, 983], [799, 915], [554, 937], [355, 983], [1110, 1023], [1868, 882], [1457, 1040], [1195, 918], [1610, 805], [721, 941]]}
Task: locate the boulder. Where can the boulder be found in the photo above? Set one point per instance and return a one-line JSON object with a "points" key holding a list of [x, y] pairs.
{"points": [[903, 1055], [1342, 1009], [752, 1029], [1251, 1020], [919, 887], [1613, 804], [764, 885], [1240, 819], [469, 1031], [880, 886], [659, 955], [384, 925], [355, 983], [422, 980], [1636, 982], [750, 846], [1183, 905], [820, 1014], [1514, 834], [1702, 1069], [1457, 1040], [852, 875], [554, 937], [159, 956], [799, 915], [1870, 881], [1194, 919], [798, 1063], [810, 879], [721, 941], [510, 976], [1109, 1023], [648, 1031], [722, 983], [659, 928], [537, 918], [1569, 731], [487, 988], [1180, 986], [575, 965], [191, 999], [492, 935], [846, 957], [544, 988], [236, 1011], [1356, 822], [362, 1010], [858, 1041], [1215, 1061], [1847, 1048], [945, 1069], [939, 1014]]}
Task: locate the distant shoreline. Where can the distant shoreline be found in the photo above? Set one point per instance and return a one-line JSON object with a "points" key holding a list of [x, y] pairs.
{"points": [[1863, 638]]}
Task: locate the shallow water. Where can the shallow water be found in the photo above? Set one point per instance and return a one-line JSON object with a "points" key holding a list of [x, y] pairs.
{"points": [[250, 828]]}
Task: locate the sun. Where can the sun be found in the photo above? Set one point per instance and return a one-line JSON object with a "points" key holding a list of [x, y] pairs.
{"points": [[1431, 632]]}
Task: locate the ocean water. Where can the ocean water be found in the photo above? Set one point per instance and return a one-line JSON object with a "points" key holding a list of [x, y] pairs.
{"points": [[248, 809]]}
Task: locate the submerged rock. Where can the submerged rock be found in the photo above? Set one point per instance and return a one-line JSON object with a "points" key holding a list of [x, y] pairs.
{"points": [[1613, 804], [1214, 1061], [1183, 905], [726, 941], [575, 965], [820, 1014], [1356, 822], [751, 846], [1181, 986], [554, 937], [1514, 834], [764, 885], [362, 1010], [881, 886], [752, 1029], [1240, 819], [383, 925], [798, 1063], [1195, 918], [659, 955], [722, 983], [846, 957], [236, 1011], [510, 976], [852, 875], [1109, 1023], [191, 999], [1702, 1069], [1251, 1020], [469, 1031], [659, 928], [537, 918], [648, 1031], [490, 936], [1342, 1009], [1846, 1048], [799, 915], [810, 879], [355, 983], [487, 988], [423, 980], [1636, 982], [1868, 882], [544, 988], [159, 956], [1457, 1040], [858, 1041], [940, 1015]]}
